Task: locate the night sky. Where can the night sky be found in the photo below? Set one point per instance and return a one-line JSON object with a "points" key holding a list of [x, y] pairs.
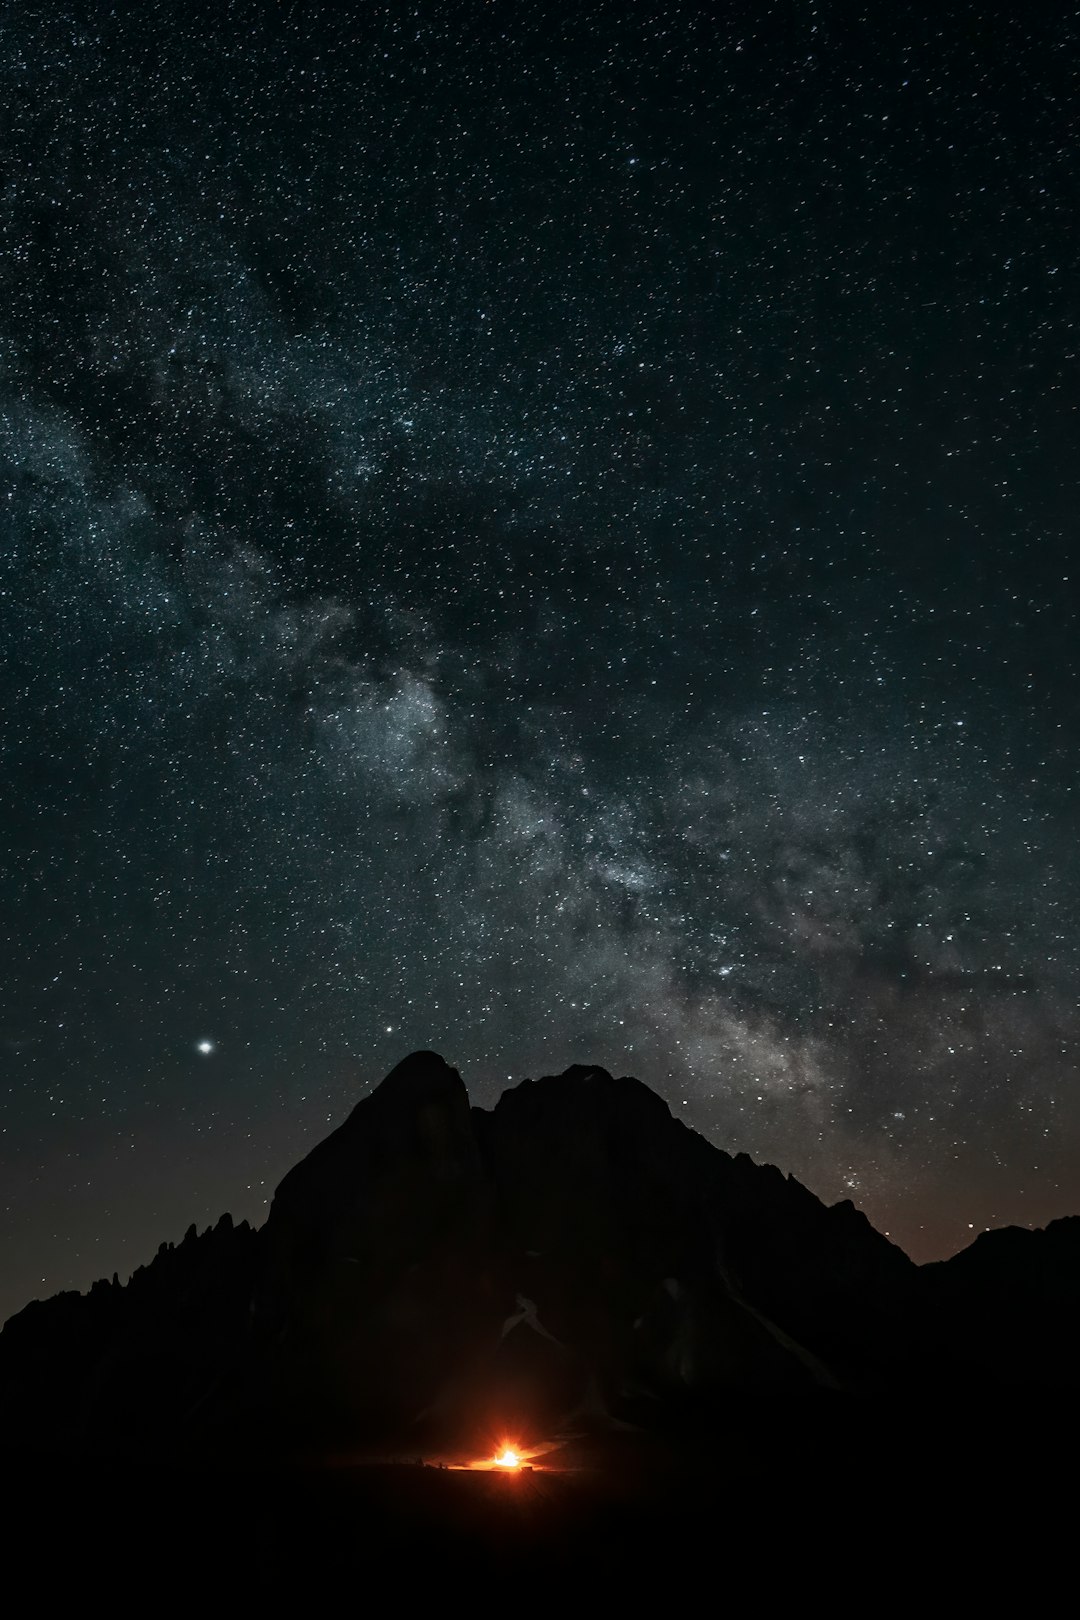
{"points": [[544, 533]]}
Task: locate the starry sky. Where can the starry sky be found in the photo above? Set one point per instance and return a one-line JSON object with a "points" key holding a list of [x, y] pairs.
{"points": [[543, 532]]}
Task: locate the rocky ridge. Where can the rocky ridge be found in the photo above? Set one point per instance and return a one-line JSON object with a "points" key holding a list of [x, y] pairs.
{"points": [[574, 1257]]}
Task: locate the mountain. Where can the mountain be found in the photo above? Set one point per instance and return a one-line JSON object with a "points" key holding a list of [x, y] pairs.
{"points": [[573, 1261], [1006, 1310]]}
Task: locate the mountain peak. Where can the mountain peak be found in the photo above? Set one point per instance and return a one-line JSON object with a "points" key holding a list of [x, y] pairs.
{"points": [[420, 1078]]}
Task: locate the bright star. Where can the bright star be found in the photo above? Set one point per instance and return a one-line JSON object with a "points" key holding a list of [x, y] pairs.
{"points": [[205, 1047]]}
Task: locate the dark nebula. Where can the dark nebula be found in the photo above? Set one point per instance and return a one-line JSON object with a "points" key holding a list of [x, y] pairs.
{"points": [[544, 533]]}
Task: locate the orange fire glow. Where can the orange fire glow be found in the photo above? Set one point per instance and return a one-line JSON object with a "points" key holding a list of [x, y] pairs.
{"points": [[508, 1457]]}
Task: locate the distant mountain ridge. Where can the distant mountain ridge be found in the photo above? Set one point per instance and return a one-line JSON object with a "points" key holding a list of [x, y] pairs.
{"points": [[573, 1257]]}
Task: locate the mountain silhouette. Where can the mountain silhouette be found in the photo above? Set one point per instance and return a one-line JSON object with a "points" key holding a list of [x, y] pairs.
{"points": [[574, 1261]]}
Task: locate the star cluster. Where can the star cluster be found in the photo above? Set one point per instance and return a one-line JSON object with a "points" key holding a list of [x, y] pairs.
{"points": [[543, 532]]}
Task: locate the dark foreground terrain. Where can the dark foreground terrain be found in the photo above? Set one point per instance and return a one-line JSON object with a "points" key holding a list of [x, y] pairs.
{"points": [[858, 1504]]}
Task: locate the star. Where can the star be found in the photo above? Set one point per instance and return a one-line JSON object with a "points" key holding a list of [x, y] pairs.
{"points": [[205, 1048]]}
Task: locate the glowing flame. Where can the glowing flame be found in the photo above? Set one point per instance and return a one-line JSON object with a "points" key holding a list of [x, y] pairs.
{"points": [[508, 1459]]}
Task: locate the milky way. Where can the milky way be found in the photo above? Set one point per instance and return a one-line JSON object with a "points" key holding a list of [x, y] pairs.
{"points": [[545, 535]]}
